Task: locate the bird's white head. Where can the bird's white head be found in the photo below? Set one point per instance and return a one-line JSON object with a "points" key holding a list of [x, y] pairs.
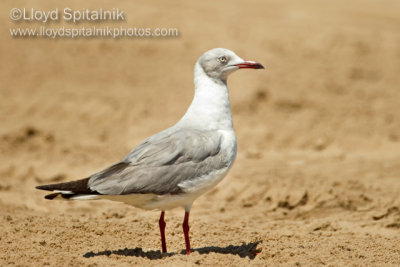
{"points": [[218, 63]]}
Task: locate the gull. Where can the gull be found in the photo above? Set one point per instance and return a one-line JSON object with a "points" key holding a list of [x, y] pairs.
{"points": [[174, 167]]}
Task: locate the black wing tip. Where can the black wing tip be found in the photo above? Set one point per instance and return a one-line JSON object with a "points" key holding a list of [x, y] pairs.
{"points": [[78, 187], [55, 195], [51, 196], [43, 187]]}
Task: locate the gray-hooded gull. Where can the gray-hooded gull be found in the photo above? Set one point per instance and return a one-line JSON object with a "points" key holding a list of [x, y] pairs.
{"points": [[174, 167]]}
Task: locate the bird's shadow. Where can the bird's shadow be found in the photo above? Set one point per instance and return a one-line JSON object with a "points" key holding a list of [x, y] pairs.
{"points": [[245, 250]]}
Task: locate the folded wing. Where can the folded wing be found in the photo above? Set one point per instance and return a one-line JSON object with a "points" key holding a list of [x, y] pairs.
{"points": [[160, 163]]}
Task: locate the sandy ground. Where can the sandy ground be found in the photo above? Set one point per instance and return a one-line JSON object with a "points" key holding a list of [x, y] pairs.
{"points": [[317, 176]]}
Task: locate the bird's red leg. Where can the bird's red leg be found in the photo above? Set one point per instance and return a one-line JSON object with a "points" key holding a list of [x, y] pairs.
{"points": [[186, 232], [162, 224]]}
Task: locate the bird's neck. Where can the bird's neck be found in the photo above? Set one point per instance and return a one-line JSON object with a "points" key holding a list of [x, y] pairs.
{"points": [[210, 107]]}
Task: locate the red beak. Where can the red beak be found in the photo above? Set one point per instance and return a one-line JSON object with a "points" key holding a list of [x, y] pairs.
{"points": [[250, 65]]}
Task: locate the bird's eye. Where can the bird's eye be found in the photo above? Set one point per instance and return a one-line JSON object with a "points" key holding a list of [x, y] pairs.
{"points": [[222, 59]]}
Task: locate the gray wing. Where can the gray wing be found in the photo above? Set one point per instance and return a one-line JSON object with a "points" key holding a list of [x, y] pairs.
{"points": [[161, 162]]}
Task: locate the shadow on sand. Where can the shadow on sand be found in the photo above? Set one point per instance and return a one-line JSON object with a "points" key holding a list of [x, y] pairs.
{"points": [[245, 250]]}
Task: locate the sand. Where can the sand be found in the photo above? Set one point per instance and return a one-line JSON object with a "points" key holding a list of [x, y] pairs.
{"points": [[317, 176]]}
